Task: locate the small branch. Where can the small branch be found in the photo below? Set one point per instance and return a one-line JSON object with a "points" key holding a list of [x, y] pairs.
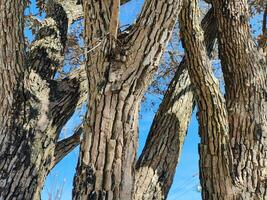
{"points": [[65, 96], [114, 21], [264, 22], [74, 9], [65, 146]]}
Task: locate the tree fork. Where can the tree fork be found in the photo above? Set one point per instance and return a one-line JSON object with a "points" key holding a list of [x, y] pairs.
{"points": [[118, 77]]}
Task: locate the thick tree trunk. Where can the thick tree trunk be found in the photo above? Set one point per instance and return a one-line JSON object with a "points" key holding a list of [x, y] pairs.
{"points": [[15, 166], [214, 149], [244, 70], [108, 152], [245, 75], [119, 69], [156, 166], [30, 121]]}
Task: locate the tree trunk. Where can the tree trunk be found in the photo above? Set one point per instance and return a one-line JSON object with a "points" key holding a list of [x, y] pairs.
{"points": [[119, 69], [30, 122], [156, 166], [15, 167], [108, 152], [244, 70], [214, 149]]}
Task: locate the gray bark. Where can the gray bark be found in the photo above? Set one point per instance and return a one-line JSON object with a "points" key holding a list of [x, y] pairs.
{"points": [[244, 70], [240, 121]]}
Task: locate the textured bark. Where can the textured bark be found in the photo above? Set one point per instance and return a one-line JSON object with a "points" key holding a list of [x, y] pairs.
{"points": [[119, 68], [30, 120], [214, 149], [244, 70], [64, 146], [12, 132], [156, 166]]}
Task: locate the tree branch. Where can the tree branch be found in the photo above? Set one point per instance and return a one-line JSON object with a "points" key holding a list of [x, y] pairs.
{"points": [[66, 95], [59, 98], [148, 37], [47, 51], [65, 146], [164, 144]]}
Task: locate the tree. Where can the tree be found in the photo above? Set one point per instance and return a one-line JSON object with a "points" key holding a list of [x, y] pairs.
{"points": [[34, 107], [119, 66], [233, 131]]}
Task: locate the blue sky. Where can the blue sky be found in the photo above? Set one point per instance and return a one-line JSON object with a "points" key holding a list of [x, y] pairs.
{"points": [[186, 181]]}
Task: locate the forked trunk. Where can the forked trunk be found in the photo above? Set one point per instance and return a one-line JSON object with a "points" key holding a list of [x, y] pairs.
{"points": [[119, 67]]}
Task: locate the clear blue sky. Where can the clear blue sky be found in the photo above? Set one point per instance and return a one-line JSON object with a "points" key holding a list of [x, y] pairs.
{"points": [[186, 179]]}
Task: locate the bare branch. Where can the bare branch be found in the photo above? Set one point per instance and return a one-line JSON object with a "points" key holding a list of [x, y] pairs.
{"points": [[114, 21], [65, 146], [66, 95]]}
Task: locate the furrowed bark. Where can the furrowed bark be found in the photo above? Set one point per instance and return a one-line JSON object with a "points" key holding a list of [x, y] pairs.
{"points": [[214, 149], [119, 69], [66, 145], [29, 98], [12, 132], [244, 70], [156, 166]]}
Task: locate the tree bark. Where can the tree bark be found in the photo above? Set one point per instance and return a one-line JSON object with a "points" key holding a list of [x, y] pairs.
{"points": [[119, 68], [12, 132], [214, 149], [156, 166], [244, 70], [30, 121]]}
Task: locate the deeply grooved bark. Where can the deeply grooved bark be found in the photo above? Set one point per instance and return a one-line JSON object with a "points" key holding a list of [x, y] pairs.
{"points": [[214, 149], [244, 70], [29, 125]]}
